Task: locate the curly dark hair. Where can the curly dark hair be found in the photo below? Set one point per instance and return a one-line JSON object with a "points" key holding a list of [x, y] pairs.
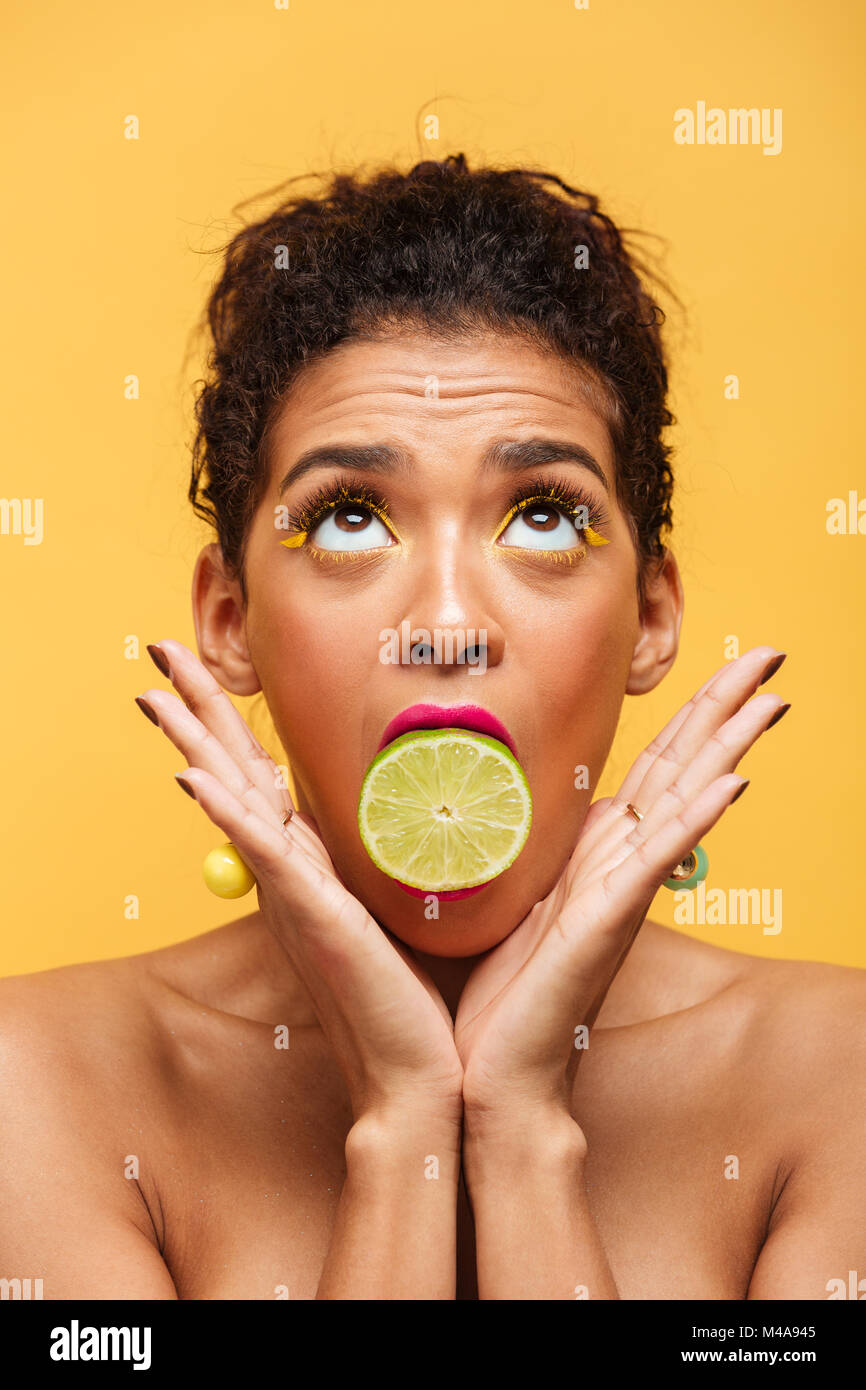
{"points": [[450, 250]]}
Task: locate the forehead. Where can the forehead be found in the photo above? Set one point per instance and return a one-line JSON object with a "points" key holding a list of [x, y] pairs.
{"points": [[429, 394]]}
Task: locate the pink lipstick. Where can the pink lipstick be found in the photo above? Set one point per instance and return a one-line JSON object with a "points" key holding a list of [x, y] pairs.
{"points": [[472, 717]]}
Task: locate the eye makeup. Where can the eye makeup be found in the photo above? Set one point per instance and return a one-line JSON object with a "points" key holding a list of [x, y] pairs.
{"points": [[546, 491], [338, 493], [551, 492]]}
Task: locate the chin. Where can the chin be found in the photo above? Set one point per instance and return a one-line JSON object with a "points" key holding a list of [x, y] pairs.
{"points": [[467, 924]]}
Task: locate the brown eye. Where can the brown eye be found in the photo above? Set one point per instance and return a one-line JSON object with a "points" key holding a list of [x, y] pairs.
{"points": [[351, 527], [540, 526], [542, 518], [351, 519]]}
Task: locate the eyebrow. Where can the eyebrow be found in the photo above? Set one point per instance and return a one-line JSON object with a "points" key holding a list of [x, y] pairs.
{"points": [[504, 456]]}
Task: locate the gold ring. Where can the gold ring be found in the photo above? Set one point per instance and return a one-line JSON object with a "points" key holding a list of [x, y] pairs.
{"points": [[287, 817], [633, 811]]}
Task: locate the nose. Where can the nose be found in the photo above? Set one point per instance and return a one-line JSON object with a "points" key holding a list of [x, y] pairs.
{"points": [[448, 647], [447, 618]]}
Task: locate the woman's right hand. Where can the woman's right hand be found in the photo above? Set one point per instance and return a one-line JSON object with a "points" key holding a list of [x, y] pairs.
{"points": [[389, 1027]]}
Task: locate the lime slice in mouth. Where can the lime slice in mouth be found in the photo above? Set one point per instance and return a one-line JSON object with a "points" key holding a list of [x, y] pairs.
{"points": [[444, 809]]}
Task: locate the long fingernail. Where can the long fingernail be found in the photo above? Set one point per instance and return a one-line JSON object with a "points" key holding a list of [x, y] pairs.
{"points": [[186, 786], [147, 709], [159, 659], [738, 792], [778, 715], [772, 668]]}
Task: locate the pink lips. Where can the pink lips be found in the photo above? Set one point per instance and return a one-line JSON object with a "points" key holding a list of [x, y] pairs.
{"points": [[473, 717], [447, 717]]}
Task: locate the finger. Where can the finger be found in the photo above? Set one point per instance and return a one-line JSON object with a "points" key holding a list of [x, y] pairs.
{"points": [[278, 857], [719, 704], [721, 753], [261, 844], [595, 813], [708, 708], [576, 960], [643, 863], [201, 748], [278, 860], [333, 942], [206, 699], [600, 918], [718, 698]]}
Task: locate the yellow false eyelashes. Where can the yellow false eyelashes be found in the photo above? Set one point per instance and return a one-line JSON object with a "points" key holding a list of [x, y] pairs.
{"points": [[550, 493], [565, 499], [329, 499]]}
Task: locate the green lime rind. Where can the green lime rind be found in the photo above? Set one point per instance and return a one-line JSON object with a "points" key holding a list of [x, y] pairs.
{"points": [[444, 809]]}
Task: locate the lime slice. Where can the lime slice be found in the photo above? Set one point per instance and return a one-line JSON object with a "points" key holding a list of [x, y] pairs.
{"points": [[444, 809]]}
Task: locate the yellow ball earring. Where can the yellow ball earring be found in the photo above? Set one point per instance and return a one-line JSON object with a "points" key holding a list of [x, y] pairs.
{"points": [[226, 873]]}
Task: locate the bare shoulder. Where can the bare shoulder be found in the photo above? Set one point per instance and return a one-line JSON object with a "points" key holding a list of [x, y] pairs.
{"points": [[80, 1046], [686, 973], [73, 1049], [806, 1063], [816, 1006], [71, 1019], [797, 1031], [798, 1027], [86, 1044], [807, 1016], [109, 1011], [810, 1040]]}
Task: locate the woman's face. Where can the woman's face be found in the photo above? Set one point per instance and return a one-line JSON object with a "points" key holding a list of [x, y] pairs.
{"points": [[560, 628]]}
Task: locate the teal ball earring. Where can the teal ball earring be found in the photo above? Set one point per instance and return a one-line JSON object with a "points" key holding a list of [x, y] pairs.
{"points": [[690, 871]]}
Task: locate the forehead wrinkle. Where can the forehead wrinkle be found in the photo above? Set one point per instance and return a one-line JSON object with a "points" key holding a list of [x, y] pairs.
{"points": [[381, 457], [456, 391]]}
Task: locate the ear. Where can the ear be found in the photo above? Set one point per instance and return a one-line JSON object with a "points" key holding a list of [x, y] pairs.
{"points": [[660, 621], [220, 624]]}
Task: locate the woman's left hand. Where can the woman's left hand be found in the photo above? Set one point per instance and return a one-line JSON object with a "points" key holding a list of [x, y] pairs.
{"points": [[518, 1017]]}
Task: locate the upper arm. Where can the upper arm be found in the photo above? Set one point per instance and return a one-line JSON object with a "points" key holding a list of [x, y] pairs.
{"points": [[77, 1249], [817, 1235], [816, 1243], [68, 1216]]}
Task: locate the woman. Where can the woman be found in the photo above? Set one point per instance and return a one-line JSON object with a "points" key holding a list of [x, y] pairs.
{"points": [[439, 388]]}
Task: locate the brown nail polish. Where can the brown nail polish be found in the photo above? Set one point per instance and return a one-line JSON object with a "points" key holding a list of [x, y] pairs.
{"points": [[778, 715], [738, 792], [186, 786], [160, 660], [772, 669], [147, 709]]}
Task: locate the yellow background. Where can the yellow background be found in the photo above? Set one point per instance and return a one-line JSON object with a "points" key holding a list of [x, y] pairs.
{"points": [[103, 276]]}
